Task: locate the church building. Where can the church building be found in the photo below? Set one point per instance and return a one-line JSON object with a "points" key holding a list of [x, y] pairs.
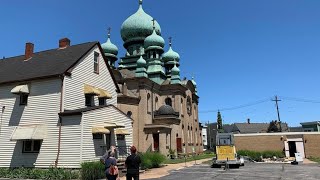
{"points": [[164, 108]]}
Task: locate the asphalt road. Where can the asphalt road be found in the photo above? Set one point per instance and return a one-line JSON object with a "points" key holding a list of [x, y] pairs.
{"points": [[251, 171]]}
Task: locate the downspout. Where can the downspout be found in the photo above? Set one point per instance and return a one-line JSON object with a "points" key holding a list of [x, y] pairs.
{"points": [[59, 123]]}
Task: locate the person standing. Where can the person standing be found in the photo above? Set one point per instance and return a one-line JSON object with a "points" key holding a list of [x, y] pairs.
{"points": [[132, 164], [110, 162]]}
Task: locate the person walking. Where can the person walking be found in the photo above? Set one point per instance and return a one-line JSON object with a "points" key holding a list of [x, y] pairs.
{"points": [[132, 164], [111, 169]]}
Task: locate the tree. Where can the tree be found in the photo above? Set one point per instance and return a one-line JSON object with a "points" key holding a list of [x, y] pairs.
{"points": [[219, 123]]}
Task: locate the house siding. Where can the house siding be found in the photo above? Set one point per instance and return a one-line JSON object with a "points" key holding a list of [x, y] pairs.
{"points": [[83, 73], [98, 117], [42, 108]]}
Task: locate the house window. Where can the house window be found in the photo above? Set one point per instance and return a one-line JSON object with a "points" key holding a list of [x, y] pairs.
{"points": [[102, 101], [189, 106], [31, 146], [168, 101], [96, 62], [97, 136], [89, 100], [23, 99], [120, 137]]}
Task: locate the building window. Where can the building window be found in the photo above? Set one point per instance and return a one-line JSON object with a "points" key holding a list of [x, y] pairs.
{"points": [[31, 146], [156, 103], [120, 137], [130, 50], [168, 101], [102, 101], [154, 54], [97, 136], [129, 114], [23, 99], [89, 100], [96, 62], [189, 106], [148, 103]]}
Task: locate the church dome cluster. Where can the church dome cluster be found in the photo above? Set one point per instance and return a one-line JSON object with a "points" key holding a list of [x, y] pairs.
{"points": [[145, 55]]}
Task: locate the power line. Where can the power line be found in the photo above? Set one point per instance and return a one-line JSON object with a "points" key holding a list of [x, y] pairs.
{"points": [[238, 107], [300, 100]]}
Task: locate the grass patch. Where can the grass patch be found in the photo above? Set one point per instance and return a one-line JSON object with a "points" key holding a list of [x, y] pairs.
{"points": [[188, 159], [315, 159]]}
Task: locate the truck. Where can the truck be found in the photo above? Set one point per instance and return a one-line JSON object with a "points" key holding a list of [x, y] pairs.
{"points": [[226, 154]]}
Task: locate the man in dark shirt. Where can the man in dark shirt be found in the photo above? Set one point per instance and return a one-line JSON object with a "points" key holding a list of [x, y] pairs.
{"points": [[132, 163]]}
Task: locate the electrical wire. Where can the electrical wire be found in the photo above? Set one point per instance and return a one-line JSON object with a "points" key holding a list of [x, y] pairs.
{"points": [[238, 107], [300, 100]]}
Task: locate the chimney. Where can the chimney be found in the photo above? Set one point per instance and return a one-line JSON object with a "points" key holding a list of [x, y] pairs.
{"points": [[248, 120], [64, 42], [28, 51]]}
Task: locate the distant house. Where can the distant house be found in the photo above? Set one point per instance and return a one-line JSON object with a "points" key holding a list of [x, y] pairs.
{"points": [[59, 107], [246, 128], [311, 126]]}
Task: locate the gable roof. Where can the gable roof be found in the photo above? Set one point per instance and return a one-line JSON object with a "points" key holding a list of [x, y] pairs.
{"points": [[42, 64], [255, 127], [45, 64]]}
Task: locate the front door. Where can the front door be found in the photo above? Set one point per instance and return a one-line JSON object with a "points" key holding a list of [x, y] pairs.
{"points": [[179, 145], [156, 142], [292, 148]]}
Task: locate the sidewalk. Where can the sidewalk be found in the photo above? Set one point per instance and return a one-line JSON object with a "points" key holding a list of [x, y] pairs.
{"points": [[163, 171]]}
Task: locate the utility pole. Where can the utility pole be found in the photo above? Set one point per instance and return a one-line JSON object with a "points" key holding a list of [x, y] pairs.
{"points": [[276, 100], [208, 136]]}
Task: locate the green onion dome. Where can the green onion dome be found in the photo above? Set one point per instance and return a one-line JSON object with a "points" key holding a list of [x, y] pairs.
{"points": [[141, 62], [170, 55], [154, 41], [138, 26], [175, 70], [109, 49]]}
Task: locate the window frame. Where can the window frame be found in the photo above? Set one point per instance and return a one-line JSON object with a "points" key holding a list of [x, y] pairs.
{"points": [[97, 136], [96, 62], [23, 99], [87, 96], [102, 99], [32, 148]]}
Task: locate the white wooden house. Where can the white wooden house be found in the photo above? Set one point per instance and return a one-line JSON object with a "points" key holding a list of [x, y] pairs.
{"points": [[58, 107]]}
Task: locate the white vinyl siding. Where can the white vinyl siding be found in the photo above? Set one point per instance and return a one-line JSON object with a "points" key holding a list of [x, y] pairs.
{"points": [[43, 108], [82, 74], [99, 116]]}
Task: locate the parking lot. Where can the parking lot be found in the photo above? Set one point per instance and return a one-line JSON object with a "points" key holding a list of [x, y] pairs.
{"points": [[249, 171]]}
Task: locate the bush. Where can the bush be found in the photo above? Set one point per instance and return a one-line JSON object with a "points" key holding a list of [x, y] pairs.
{"points": [[151, 160], [256, 155], [92, 170], [34, 173]]}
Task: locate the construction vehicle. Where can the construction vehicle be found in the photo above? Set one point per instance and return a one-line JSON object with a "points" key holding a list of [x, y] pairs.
{"points": [[226, 154]]}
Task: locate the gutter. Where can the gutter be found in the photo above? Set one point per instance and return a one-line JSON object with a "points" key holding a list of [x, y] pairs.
{"points": [[60, 121]]}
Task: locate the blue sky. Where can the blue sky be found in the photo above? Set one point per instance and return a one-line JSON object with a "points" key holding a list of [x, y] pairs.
{"points": [[240, 52]]}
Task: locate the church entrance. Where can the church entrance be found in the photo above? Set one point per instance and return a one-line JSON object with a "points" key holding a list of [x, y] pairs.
{"points": [[156, 142]]}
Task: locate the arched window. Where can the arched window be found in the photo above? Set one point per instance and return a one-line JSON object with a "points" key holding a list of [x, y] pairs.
{"points": [[154, 54], [168, 101], [181, 107], [148, 103], [189, 106], [156, 103]]}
